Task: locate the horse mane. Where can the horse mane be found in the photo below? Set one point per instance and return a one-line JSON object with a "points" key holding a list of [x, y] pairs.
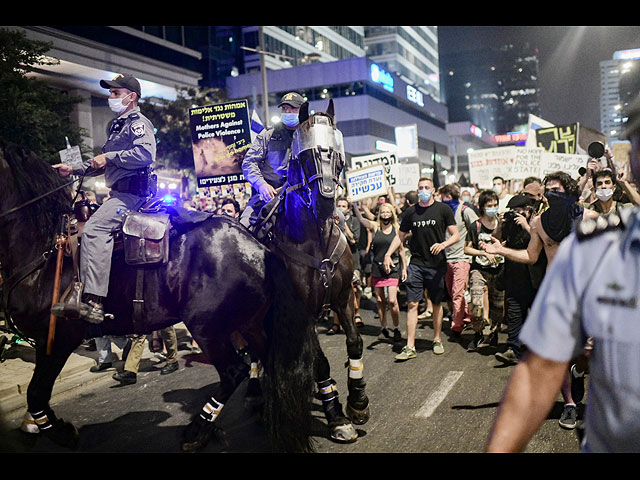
{"points": [[33, 177]]}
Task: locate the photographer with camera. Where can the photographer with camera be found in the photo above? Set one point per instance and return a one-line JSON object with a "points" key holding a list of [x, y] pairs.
{"points": [[519, 278]]}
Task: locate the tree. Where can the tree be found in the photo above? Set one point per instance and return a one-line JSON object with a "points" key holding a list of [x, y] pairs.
{"points": [[173, 128], [34, 115]]}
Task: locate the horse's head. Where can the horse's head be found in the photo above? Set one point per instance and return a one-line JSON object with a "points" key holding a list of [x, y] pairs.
{"points": [[317, 158]]}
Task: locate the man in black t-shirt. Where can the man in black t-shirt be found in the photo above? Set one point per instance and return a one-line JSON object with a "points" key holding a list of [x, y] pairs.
{"points": [[425, 225]]}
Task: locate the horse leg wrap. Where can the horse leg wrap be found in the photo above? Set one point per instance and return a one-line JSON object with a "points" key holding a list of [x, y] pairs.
{"points": [[211, 410], [41, 419], [253, 372], [328, 394], [356, 368], [29, 424]]}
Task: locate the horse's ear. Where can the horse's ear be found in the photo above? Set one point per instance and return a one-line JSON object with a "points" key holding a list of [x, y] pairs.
{"points": [[330, 109], [303, 115]]}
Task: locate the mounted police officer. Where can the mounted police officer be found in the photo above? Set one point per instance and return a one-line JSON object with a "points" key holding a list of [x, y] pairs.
{"points": [[591, 290], [265, 163], [125, 161]]}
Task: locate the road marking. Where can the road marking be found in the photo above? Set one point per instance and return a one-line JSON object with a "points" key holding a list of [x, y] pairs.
{"points": [[437, 396]]}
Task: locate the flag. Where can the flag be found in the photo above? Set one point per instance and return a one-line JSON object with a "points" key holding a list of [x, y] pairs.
{"points": [[534, 124], [256, 125]]}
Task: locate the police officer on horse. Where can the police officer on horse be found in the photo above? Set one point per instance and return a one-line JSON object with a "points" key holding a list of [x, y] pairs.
{"points": [[125, 161], [265, 163]]}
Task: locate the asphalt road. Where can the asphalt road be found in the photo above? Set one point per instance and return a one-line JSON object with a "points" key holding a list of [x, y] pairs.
{"points": [[431, 404]]}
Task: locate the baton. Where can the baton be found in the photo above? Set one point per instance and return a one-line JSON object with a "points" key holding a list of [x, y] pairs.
{"points": [[60, 246]]}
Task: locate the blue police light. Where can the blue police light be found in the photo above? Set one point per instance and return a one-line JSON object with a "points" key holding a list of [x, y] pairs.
{"points": [[380, 76], [168, 199]]}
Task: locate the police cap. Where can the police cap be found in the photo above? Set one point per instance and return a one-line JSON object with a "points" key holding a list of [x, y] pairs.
{"points": [[294, 99], [123, 80]]}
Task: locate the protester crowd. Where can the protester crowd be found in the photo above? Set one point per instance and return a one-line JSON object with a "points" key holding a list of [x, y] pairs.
{"points": [[474, 256]]}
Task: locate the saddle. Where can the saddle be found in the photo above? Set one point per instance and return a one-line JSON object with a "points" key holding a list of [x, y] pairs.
{"points": [[143, 239]]}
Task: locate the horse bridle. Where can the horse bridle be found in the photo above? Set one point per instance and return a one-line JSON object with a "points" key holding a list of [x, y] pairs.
{"points": [[326, 145]]}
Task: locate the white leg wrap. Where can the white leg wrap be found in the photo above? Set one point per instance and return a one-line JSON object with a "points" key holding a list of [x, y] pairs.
{"points": [[29, 424], [253, 373], [356, 368], [211, 410]]}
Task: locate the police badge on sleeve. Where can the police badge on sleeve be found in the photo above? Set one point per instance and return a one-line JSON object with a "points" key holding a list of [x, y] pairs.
{"points": [[138, 129]]}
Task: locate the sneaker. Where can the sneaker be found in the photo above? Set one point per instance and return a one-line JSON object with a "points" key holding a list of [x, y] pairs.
{"points": [[397, 337], [406, 353], [438, 349], [425, 314], [473, 344], [577, 385], [569, 417], [509, 357], [100, 367], [490, 340], [125, 377], [384, 334]]}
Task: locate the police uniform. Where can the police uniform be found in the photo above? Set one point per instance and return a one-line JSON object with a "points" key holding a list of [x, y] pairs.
{"points": [[130, 151], [267, 160], [591, 290]]}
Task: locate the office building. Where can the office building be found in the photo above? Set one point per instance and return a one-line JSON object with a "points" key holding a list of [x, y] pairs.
{"points": [[619, 83]]}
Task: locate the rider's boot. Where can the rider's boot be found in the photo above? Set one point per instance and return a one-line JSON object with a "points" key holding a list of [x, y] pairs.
{"points": [[95, 312]]}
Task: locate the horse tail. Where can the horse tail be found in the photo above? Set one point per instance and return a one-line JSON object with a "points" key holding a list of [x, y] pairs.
{"points": [[289, 366]]}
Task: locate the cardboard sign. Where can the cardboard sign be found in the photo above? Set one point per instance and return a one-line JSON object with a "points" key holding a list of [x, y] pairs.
{"points": [[72, 156], [366, 182]]}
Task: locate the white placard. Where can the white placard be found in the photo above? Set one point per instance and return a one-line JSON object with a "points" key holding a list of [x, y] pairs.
{"points": [[366, 182], [407, 141], [526, 162], [406, 175], [568, 163], [383, 158], [488, 163], [72, 156]]}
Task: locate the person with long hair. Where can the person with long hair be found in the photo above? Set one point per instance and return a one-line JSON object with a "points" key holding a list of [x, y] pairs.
{"points": [[383, 232]]}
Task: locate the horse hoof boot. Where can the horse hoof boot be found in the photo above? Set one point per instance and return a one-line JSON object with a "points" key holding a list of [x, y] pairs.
{"points": [[197, 435], [345, 433], [63, 433], [359, 417]]}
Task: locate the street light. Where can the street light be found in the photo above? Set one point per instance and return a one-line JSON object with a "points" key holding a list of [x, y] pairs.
{"points": [[263, 71]]}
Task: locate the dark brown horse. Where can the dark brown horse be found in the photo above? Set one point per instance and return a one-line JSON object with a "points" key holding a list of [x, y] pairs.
{"points": [[307, 236], [218, 280]]}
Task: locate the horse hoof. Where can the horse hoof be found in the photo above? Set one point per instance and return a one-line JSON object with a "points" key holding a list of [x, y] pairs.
{"points": [[253, 403], [197, 435], [63, 433], [359, 417], [344, 433]]}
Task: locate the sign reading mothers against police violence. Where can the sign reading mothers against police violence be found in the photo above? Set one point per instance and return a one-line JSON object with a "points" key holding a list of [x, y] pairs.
{"points": [[366, 182], [220, 136]]}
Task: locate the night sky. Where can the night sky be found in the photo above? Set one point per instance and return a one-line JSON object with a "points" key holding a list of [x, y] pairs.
{"points": [[569, 62]]}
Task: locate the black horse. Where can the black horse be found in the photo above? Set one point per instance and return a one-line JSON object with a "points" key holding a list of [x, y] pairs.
{"points": [[308, 237], [218, 280]]}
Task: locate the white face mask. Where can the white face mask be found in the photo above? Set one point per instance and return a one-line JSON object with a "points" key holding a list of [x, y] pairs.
{"points": [[115, 104], [604, 194], [491, 212], [497, 189]]}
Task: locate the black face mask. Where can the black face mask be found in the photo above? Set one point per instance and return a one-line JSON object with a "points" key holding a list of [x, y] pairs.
{"points": [[559, 219], [386, 221]]}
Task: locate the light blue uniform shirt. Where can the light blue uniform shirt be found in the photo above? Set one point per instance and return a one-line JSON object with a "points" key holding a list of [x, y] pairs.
{"points": [[592, 290]]}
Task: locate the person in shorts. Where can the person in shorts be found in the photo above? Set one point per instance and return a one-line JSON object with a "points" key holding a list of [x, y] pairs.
{"points": [[425, 225]]}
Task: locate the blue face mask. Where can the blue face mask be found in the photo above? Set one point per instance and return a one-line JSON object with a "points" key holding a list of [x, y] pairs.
{"points": [[491, 212], [424, 196], [290, 119]]}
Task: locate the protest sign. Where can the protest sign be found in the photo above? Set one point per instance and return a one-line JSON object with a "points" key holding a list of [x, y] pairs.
{"points": [[406, 176], [554, 162], [490, 162], [384, 158], [220, 136], [366, 182], [526, 162], [72, 156], [558, 139]]}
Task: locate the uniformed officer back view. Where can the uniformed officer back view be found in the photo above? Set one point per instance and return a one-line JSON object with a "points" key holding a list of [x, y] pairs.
{"points": [[125, 161]]}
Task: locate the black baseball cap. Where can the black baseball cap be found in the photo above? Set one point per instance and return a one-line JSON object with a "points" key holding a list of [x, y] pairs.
{"points": [[123, 80], [292, 98], [520, 201]]}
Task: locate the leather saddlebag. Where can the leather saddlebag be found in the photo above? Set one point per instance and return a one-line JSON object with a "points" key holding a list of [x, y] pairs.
{"points": [[146, 238]]}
